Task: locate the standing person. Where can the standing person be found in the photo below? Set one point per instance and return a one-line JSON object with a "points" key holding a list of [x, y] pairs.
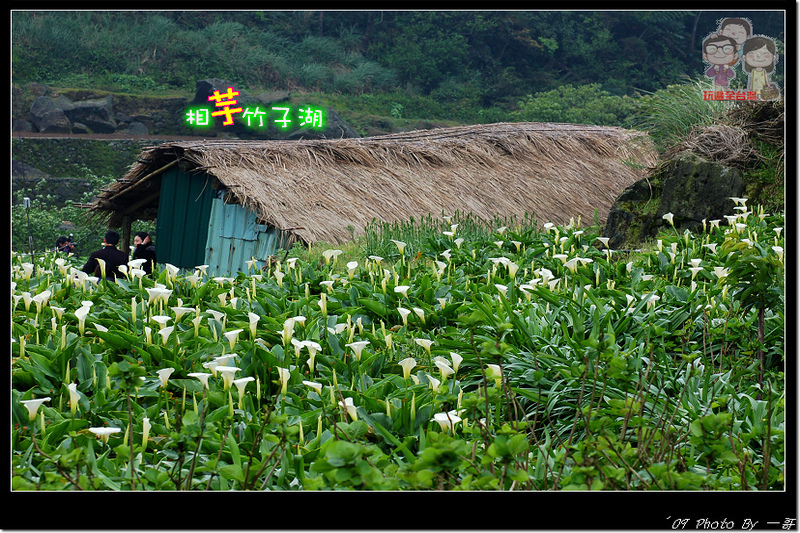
{"points": [[145, 249], [110, 254]]}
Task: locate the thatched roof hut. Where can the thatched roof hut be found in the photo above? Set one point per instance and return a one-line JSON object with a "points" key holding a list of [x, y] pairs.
{"points": [[312, 190]]}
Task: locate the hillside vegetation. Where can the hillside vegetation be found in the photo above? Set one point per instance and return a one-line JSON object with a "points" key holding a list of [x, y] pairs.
{"points": [[470, 67]]}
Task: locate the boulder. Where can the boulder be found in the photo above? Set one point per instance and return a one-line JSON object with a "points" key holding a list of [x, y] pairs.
{"points": [[696, 189], [21, 125], [689, 186], [79, 127], [96, 114], [48, 115], [136, 128]]}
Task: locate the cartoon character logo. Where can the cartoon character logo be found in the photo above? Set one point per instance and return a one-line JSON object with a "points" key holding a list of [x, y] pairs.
{"points": [[738, 29], [720, 52], [758, 61]]}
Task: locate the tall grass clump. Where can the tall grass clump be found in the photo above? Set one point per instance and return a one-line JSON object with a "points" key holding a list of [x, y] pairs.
{"points": [[672, 114]]}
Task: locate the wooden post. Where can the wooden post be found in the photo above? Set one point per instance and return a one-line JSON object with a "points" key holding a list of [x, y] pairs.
{"points": [[126, 235]]}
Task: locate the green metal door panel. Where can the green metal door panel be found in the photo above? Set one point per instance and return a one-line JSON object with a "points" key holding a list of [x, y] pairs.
{"points": [[234, 238], [236, 222], [183, 216]]}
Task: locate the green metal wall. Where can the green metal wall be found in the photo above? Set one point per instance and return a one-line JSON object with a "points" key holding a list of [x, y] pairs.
{"points": [[184, 209]]}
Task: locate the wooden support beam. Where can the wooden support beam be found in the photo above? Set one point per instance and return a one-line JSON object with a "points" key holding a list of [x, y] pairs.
{"points": [[154, 173], [126, 234]]}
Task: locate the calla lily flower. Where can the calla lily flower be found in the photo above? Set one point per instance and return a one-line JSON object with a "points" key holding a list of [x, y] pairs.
{"points": [[404, 314], [180, 311], [288, 330], [328, 283], [314, 385], [331, 255], [358, 347], [233, 336], [407, 364], [161, 319], [165, 333], [202, 376], [164, 375], [350, 407], [33, 406], [104, 433], [497, 374], [721, 272], [778, 250], [401, 246], [425, 343], [240, 384], [253, 318], [458, 242], [81, 314], [420, 313], [227, 373], [447, 421], [283, 376], [145, 432], [444, 369], [456, 360], [669, 218], [402, 289], [351, 268], [433, 382]]}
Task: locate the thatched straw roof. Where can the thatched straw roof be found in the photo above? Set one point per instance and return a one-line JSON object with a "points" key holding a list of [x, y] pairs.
{"points": [[315, 189]]}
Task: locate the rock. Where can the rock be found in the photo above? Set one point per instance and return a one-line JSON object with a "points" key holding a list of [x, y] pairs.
{"points": [[79, 127], [48, 115], [122, 117], [688, 186], [696, 189], [23, 170], [628, 222], [21, 125], [96, 114], [137, 128]]}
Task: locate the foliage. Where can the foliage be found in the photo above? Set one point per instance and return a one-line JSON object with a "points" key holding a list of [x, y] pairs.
{"points": [[587, 104], [541, 361], [472, 60]]}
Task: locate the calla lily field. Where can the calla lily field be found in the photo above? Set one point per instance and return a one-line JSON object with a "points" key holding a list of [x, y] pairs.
{"points": [[521, 357]]}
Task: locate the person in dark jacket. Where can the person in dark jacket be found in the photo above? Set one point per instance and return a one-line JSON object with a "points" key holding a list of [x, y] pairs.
{"points": [[63, 244], [145, 249], [111, 255]]}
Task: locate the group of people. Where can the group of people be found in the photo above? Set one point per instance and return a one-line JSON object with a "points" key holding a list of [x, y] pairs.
{"points": [[112, 257]]}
